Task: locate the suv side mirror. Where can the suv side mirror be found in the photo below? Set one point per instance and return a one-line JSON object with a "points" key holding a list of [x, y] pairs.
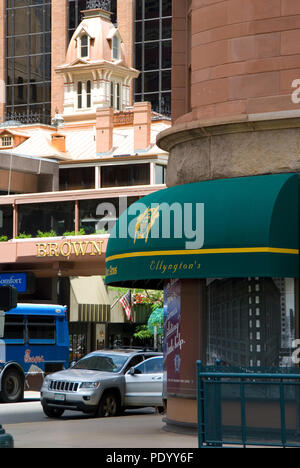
{"points": [[134, 371]]}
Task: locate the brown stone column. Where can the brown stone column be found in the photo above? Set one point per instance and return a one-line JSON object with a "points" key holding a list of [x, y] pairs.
{"points": [[125, 14], [59, 44], [181, 58]]}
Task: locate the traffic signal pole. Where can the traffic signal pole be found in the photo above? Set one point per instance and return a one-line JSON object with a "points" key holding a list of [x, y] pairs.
{"points": [[8, 300]]}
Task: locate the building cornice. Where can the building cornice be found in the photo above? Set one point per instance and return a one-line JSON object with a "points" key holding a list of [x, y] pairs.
{"points": [[188, 131]]}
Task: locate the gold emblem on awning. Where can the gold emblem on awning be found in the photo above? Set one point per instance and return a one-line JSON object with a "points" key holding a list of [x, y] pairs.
{"points": [[145, 222]]}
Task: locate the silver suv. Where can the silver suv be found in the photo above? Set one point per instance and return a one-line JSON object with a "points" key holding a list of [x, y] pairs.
{"points": [[95, 384]]}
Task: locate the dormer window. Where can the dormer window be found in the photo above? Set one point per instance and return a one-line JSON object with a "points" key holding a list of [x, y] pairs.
{"points": [[116, 47], [84, 46], [6, 141]]}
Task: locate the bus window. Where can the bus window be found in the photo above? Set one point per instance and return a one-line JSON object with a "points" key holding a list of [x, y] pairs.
{"points": [[14, 330], [41, 329]]}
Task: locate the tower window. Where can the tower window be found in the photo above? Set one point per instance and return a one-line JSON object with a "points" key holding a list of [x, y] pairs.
{"points": [[84, 94], [116, 95], [116, 48], [79, 94], [88, 94], [84, 46]]}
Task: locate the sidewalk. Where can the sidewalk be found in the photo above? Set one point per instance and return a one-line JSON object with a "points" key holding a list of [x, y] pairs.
{"points": [[132, 430]]}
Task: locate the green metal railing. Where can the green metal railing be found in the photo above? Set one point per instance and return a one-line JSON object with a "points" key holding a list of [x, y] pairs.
{"points": [[248, 406]]}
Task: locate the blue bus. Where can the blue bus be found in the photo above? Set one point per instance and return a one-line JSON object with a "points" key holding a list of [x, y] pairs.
{"points": [[35, 343]]}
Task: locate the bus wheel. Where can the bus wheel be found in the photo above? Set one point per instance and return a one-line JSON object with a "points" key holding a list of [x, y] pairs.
{"points": [[12, 387]]}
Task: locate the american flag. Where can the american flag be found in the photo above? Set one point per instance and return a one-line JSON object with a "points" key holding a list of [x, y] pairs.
{"points": [[126, 304]]}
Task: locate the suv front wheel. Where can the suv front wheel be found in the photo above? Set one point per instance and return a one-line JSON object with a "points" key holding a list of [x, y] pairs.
{"points": [[53, 412], [109, 405]]}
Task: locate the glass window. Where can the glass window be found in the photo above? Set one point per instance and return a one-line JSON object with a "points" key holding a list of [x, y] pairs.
{"points": [[6, 141], [275, 327], [41, 328], [118, 96], [133, 362], [14, 328], [153, 52], [28, 60], [102, 362], [116, 47], [6, 220], [78, 340], [135, 174], [84, 46], [46, 219], [152, 8], [99, 216], [115, 95], [77, 178], [112, 95], [151, 30], [151, 366], [79, 94], [160, 174], [151, 81], [89, 94]]}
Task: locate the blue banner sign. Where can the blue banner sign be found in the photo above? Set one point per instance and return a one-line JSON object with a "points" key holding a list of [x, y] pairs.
{"points": [[17, 280]]}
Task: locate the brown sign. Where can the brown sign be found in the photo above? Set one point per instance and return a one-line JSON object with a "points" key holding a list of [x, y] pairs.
{"points": [[68, 248]]}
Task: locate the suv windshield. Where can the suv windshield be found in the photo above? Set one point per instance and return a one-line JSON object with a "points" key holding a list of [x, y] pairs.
{"points": [[102, 362]]}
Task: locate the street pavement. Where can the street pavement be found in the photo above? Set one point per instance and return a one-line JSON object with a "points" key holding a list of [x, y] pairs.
{"points": [[30, 428]]}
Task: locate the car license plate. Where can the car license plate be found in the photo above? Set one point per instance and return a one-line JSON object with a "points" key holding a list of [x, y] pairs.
{"points": [[59, 397]]}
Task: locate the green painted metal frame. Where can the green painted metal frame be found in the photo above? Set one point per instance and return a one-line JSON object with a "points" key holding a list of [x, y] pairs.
{"points": [[216, 376]]}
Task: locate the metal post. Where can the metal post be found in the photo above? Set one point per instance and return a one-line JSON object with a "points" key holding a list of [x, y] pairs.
{"points": [[218, 407], [200, 406], [282, 413]]}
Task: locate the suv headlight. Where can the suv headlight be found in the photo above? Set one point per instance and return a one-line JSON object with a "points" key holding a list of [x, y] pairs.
{"points": [[46, 381], [89, 384]]}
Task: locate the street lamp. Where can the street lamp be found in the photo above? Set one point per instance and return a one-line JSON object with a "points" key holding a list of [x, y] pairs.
{"points": [[8, 300]]}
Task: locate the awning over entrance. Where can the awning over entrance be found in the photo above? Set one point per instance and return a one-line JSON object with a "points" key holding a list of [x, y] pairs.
{"points": [[223, 228], [89, 300]]}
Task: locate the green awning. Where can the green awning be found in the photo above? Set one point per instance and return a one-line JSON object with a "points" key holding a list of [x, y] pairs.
{"points": [[223, 228]]}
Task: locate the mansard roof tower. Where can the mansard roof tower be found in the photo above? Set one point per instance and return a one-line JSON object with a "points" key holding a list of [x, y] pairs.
{"points": [[96, 72]]}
